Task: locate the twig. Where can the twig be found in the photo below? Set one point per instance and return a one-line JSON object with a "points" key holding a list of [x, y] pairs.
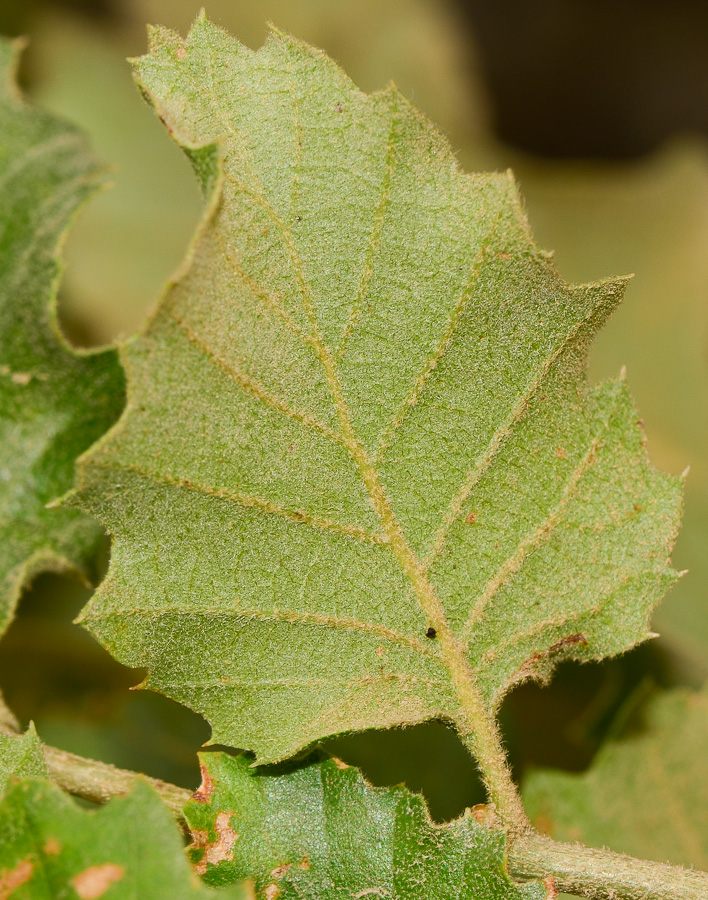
{"points": [[602, 874]]}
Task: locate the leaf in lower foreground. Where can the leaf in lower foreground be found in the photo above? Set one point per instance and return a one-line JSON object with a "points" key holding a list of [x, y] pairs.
{"points": [[646, 795], [319, 832], [53, 402], [361, 480], [20, 756], [129, 848]]}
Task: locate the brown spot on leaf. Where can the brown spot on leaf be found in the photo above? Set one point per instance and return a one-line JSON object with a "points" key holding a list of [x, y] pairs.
{"points": [[339, 763], [560, 452], [379, 651], [550, 886], [94, 882], [279, 871], [215, 851], [11, 879], [577, 638], [52, 847], [22, 378], [206, 788], [502, 255], [470, 518], [272, 891], [304, 864], [181, 53], [338, 107]]}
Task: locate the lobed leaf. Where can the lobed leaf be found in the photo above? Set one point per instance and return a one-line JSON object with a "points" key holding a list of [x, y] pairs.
{"points": [[646, 795], [129, 848], [54, 402], [319, 832], [361, 480]]}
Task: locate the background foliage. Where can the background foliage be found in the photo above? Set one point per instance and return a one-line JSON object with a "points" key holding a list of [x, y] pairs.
{"points": [[646, 213]]}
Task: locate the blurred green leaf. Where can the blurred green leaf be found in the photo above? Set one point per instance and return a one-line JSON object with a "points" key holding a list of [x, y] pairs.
{"points": [[53, 402], [129, 240], [646, 795], [129, 848]]}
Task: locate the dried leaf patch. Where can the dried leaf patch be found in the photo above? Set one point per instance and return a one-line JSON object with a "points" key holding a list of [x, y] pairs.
{"points": [[14, 878], [215, 851], [95, 881]]}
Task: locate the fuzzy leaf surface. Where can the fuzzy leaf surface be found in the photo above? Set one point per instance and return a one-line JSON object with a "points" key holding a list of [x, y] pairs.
{"points": [[646, 795], [361, 480], [320, 832], [53, 402], [129, 848], [20, 756]]}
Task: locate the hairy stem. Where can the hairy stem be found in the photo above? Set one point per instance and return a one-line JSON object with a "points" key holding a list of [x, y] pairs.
{"points": [[94, 780], [98, 781], [602, 874]]}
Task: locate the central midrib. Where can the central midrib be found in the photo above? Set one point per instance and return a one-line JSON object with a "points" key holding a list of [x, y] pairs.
{"points": [[473, 720], [477, 726]]}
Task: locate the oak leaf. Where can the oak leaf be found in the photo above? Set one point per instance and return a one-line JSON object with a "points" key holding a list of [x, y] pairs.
{"points": [[361, 480]]}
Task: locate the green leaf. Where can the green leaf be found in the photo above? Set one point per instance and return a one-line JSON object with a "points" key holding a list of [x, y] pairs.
{"points": [[320, 832], [53, 402], [129, 848], [20, 756], [361, 480], [646, 795]]}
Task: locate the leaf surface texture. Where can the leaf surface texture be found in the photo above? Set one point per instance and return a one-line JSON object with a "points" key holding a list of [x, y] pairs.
{"points": [[319, 832], [361, 476], [20, 756]]}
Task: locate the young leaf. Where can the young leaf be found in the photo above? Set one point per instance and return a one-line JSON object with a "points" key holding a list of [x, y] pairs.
{"points": [[320, 832], [129, 848], [646, 795], [53, 402], [361, 480], [20, 756]]}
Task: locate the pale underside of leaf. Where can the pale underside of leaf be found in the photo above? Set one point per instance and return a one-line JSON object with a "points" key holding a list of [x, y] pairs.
{"points": [[319, 832], [361, 413], [53, 402]]}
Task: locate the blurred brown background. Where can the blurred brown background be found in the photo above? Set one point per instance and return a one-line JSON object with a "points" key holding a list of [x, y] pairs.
{"points": [[601, 109]]}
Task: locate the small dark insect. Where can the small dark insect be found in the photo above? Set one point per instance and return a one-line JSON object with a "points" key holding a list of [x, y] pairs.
{"points": [[431, 632]]}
